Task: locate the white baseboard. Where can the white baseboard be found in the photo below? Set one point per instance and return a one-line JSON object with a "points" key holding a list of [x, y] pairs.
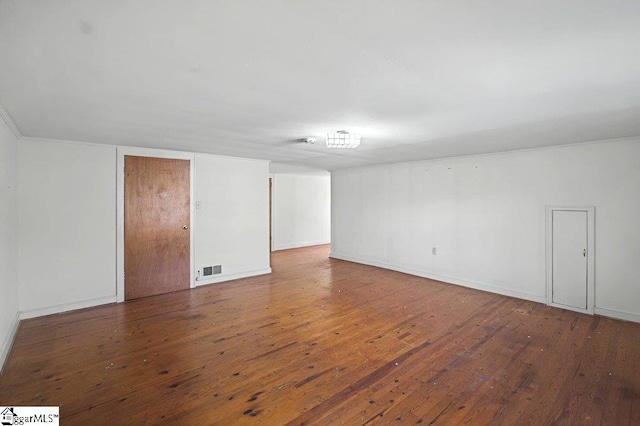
{"points": [[626, 316], [450, 280], [8, 340], [300, 245], [39, 312], [230, 277]]}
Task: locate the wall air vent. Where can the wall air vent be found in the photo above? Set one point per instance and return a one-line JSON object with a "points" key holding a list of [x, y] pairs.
{"points": [[211, 270]]}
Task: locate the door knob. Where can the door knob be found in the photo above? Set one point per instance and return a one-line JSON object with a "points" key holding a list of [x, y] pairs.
{"points": [[185, 227]]}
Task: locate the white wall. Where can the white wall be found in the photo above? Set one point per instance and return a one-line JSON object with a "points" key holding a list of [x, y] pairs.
{"points": [[232, 222], [67, 204], [8, 238], [486, 217], [301, 210], [68, 222]]}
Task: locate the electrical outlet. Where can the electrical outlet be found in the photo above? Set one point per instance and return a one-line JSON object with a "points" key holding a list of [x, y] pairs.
{"points": [[434, 251]]}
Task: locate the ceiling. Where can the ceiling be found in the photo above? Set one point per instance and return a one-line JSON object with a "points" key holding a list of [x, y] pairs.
{"points": [[251, 78]]}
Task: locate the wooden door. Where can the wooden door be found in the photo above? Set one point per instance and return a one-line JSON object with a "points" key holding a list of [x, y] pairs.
{"points": [[569, 281], [270, 217], [156, 226]]}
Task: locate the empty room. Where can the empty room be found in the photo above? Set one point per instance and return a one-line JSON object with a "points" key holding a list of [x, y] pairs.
{"points": [[320, 212]]}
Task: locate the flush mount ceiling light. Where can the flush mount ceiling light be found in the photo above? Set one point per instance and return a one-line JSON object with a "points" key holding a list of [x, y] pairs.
{"points": [[343, 139]]}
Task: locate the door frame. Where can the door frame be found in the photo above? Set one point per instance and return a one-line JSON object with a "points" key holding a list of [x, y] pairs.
{"points": [[122, 151], [591, 256]]}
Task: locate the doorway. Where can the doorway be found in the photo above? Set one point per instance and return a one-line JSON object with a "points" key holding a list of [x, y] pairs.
{"points": [[157, 259], [570, 258], [270, 218], [156, 226]]}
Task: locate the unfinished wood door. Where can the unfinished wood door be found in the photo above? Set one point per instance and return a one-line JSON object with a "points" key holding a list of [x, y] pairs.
{"points": [[270, 218], [156, 226]]}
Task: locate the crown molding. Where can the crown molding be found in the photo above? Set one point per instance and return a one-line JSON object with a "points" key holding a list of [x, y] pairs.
{"points": [[12, 125]]}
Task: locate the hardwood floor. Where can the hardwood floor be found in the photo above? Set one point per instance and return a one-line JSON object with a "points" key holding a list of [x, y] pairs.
{"points": [[328, 342]]}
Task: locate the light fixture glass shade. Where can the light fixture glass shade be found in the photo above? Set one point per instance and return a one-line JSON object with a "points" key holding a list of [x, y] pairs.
{"points": [[343, 139]]}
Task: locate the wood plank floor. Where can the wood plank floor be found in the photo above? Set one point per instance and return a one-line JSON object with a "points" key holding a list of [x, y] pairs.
{"points": [[323, 341]]}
